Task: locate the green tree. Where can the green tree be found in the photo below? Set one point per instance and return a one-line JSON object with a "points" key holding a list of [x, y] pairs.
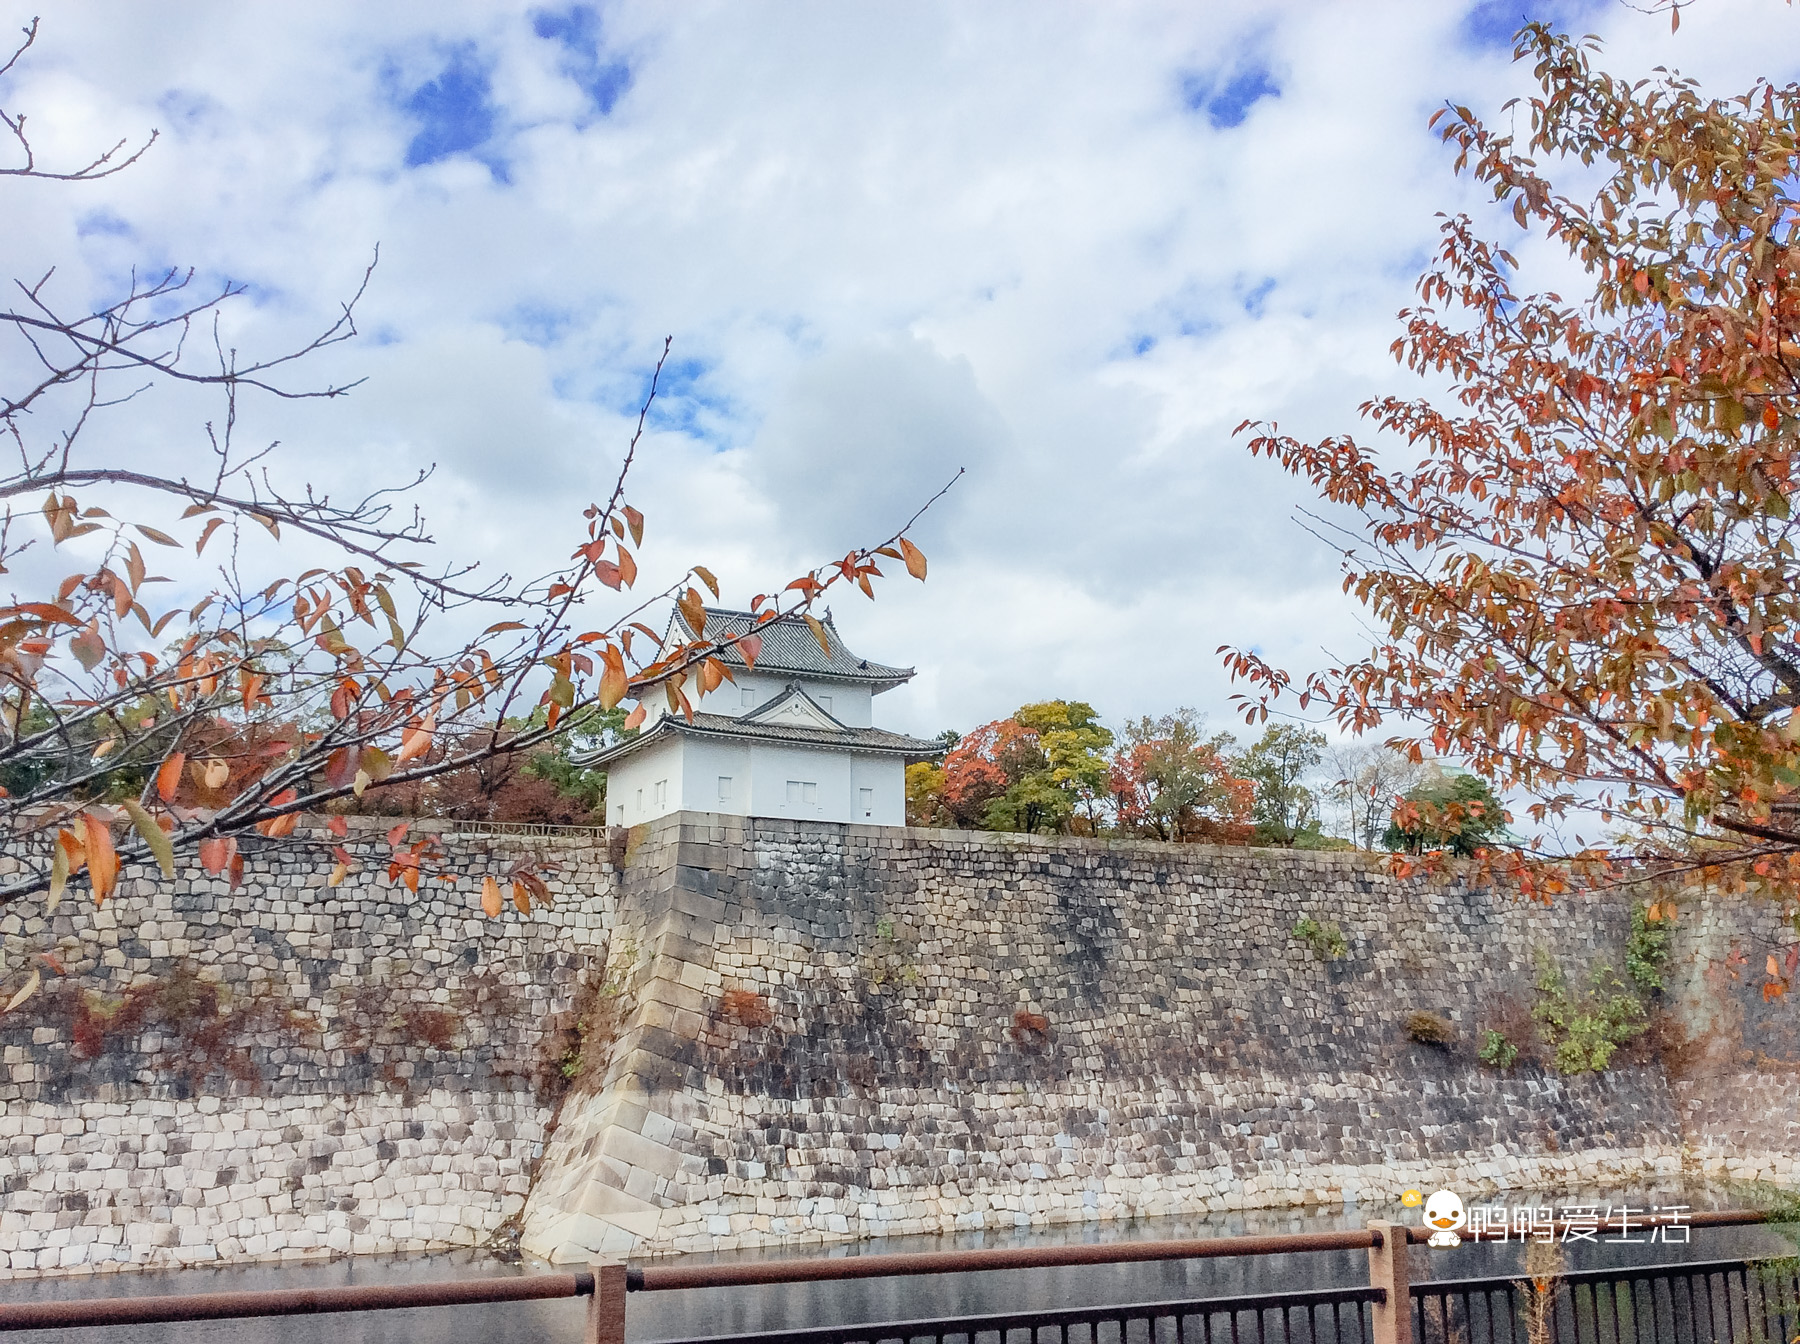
{"points": [[1457, 813], [1074, 743], [925, 804], [1278, 764], [1170, 781], [1032, 803]]}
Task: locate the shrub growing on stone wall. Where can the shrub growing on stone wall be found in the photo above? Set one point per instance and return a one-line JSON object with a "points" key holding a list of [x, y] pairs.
{"points": [[1031, 1031], [1430, 1029], [1584, 1030], [746, 1007], [1647, 950], [1496, 1051], [203, 1031], [1325, 940], [594, 1019]]}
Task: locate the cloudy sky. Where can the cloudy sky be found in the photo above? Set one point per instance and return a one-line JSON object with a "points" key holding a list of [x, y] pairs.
{"points": [[1065, 248]]}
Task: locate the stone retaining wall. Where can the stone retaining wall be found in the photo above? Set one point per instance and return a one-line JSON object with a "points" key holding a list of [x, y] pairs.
{"points": [[291, 1069], [803, 1032], [844, 1031]]}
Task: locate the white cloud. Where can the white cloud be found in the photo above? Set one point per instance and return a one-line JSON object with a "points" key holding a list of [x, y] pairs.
{"points": [[888, 240]]}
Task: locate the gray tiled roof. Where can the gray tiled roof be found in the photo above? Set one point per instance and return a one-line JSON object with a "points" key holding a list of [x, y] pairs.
{"points": [[788, 646], [731, 727]]}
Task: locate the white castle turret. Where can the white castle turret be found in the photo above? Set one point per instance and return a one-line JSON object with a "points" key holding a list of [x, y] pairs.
{"points": [[791, 737]]}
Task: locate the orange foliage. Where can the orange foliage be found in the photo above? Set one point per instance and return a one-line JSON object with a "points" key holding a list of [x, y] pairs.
{"points": [[984, 764], [1588, 581]]}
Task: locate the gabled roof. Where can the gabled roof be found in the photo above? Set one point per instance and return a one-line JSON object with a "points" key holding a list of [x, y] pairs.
{"points": [[788, 646], [769, 722], [792, 707]]}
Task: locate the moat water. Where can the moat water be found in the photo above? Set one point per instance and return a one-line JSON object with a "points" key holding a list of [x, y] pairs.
{"points": [[698, 1313]]}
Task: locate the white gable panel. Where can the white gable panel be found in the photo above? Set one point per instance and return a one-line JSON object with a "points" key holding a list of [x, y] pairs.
{"points": [[796, 711]]}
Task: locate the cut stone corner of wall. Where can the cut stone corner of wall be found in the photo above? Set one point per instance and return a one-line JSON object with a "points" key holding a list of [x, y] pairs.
{"points": [[605, 1222]]}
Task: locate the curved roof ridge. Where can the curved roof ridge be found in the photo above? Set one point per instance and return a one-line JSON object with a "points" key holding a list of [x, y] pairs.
{"points": [[788, 645]]}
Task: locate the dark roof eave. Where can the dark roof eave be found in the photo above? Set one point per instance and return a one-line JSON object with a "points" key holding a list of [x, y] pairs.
{"points": [[912, 749]]}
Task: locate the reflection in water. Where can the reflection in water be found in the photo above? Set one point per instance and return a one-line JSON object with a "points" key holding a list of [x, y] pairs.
{"points": [[713, 1311]]}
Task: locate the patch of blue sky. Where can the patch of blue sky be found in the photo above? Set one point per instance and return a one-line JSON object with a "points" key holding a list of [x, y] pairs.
{"points": [[102, 224], [1408, 265], [686, 403], [117, 276], [1227, 99], [603, 77], [185, 107], [539, 324], [1253, 298], [455, 114], [1489, 25], [1191, 313], [257, 295]]}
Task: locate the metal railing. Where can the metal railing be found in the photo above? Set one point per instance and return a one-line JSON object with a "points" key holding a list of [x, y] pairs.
{"points": [[1721, 1302], [1321, 1316], [115, 1311], [1702, 1302]]}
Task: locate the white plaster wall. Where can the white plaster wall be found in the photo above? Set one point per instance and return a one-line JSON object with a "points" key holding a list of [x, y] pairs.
{"points": [[849, 702], [885, 777], [631, 784], [771, 768], [703, 765], [840, 777], [759, 775]]}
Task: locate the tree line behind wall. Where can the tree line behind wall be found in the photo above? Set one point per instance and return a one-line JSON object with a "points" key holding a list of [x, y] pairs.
{"points": [[1053, 767]]}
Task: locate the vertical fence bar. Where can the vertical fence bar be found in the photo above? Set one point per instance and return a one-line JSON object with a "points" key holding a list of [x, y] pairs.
{"points": [[1393, 1323], [606, 1308]]}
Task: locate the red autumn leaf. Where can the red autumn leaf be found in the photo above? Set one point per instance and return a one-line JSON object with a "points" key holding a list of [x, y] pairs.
{"points": [[168, 775], [217, 853], [102, 859], [915, 559]]}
